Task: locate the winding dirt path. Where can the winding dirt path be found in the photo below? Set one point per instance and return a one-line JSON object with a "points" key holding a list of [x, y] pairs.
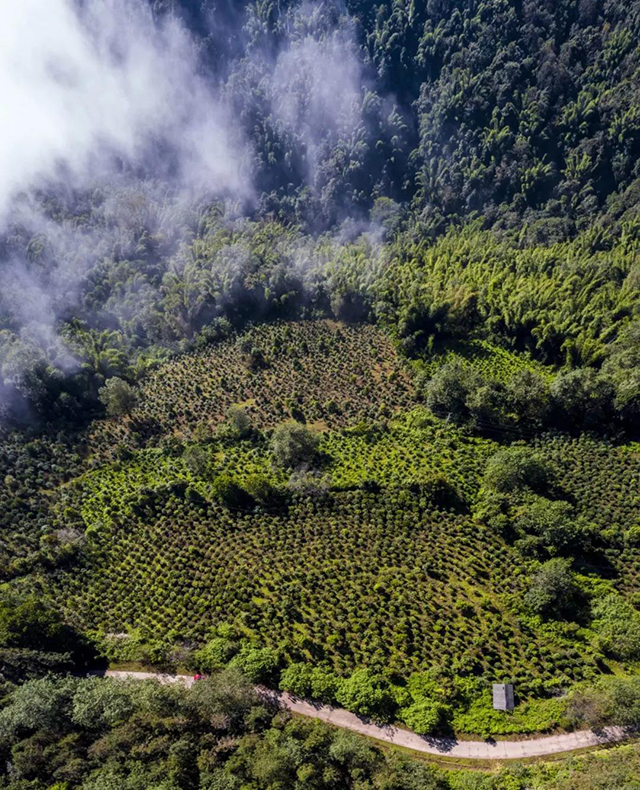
{"points": [[444, 747]]}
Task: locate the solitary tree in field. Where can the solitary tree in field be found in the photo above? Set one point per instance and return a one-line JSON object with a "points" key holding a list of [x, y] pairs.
{"points": [[553, 591], [118, 397], [239, 421], [293, 444]]}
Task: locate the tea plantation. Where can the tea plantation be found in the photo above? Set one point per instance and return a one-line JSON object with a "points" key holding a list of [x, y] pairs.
{"points": [[391, 548], [319, 370]]}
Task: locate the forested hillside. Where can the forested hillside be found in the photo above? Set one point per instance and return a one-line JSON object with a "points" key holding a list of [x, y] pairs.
{"points": [[359, 123], [320, 369]]}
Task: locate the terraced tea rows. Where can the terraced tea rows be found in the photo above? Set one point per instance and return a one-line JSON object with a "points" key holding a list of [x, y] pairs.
{"points": [[410, 450], [316, 371], [31, 471], [360, 580], [602, 478], [491, 361], [392, 568]]}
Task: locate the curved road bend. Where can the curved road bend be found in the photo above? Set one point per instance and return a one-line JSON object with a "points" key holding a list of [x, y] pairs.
{"points": [[444, 747]]}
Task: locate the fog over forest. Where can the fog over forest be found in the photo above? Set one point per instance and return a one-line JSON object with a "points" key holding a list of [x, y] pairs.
{"points": [[148, 145], [123, 121]]}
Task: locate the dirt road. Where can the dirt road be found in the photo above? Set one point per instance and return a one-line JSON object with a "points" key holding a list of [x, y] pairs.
{"points": [[447, 747]]}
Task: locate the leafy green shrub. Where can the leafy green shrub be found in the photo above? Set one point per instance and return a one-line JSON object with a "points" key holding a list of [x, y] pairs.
{"points": [[515, 469], [260, 488], [618, 626], [365, 693], [296, 679], [553, 591], [259, 664], [100, 705], [305, 680], [554, 524], [196, 459], [226, 490], [293, 444], [447, 392], [238, 422], [424, 717], [536, 715], [118, 397], [583, 396], [215, 654], [529, 397], [613, 700]]}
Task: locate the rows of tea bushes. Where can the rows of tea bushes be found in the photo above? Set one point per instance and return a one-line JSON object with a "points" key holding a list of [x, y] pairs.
{"points": [[99, 496], [413, 449], [492, 362], [386, 554], [602, 478], [605, 481], [356, 579], [31, 469], [314, 371]]}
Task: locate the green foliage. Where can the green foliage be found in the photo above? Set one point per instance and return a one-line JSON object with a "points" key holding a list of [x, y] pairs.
{"points": [[502, 188], [99, 705], [448, 392], [197, 460], [441, 463], [387, 515], [311, 364], [118, 397], [215, 654], [365, 693], [424, 717], [258, 664], [260, 489], [292, 445], [32, 623], [516, 469], [618, 626], [304, 680], [292, 577], [584, 397], [238, 420], [528, 717], [614, 700], [225, 489], [554, 524], [553, 591], [623, 370], [559, 303], [225, 699], [38, 704], [34, 639]]}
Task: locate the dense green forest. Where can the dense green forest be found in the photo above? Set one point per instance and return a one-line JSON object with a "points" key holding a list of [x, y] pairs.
{"points": [[353, 411]]}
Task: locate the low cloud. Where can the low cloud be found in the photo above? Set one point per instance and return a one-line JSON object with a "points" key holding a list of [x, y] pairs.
{"points": [[119, 129], [89, 88]]}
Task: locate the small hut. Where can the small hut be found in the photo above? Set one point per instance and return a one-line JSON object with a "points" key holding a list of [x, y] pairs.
{"points": [[503, 696]]}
